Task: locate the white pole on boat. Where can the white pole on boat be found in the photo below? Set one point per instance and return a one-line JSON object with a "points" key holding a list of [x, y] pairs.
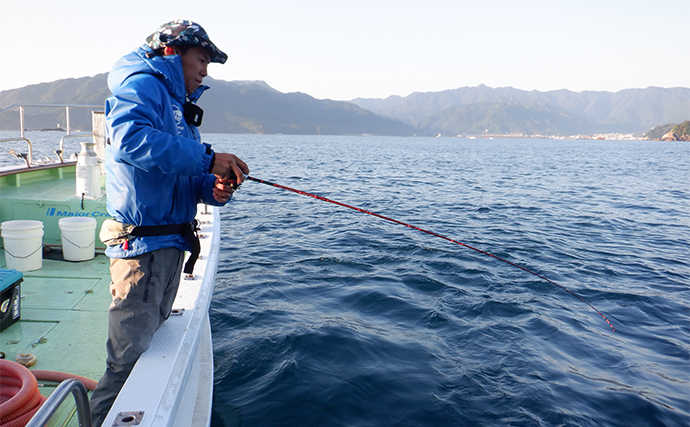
{"points": [[21, 121], [67, 117], [30, 160]]}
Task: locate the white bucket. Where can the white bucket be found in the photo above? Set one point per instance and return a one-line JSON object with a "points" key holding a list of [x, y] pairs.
{"points": [[23, 243], [78, 238]]}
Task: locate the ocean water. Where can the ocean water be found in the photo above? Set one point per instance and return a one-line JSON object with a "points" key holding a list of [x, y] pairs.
{"points": [[325, 316]]}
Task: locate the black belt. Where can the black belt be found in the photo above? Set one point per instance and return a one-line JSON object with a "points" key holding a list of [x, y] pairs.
{"points": [[187, 230]]}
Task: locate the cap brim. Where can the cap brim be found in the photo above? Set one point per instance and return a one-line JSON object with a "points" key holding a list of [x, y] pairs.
{"points": [[217, 55]]}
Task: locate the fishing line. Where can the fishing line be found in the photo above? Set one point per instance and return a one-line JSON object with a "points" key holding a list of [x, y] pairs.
{"points": [[433, 234]]}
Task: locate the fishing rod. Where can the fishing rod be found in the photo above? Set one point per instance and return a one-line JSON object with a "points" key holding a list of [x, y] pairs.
{"points": [[304, 193]]}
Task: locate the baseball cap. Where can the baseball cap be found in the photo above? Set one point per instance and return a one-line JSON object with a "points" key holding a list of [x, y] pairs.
{"points": [[184, 33]]}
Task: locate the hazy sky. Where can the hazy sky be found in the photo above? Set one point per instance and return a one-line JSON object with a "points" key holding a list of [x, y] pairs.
{"points": [[369, 48]]}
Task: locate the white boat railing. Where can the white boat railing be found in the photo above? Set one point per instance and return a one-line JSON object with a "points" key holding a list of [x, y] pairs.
{"points": [[61, 393], [29, 156]]}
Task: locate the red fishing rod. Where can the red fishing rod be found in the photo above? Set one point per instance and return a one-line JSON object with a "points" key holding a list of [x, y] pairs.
{"points": [[433, 234]]}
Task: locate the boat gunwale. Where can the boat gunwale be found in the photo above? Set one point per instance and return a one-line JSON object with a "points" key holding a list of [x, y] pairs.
{"points": [[39, 167], [171, 354]]}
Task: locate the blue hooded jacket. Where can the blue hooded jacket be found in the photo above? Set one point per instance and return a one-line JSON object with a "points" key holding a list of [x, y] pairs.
{"points": [[156, 166]]}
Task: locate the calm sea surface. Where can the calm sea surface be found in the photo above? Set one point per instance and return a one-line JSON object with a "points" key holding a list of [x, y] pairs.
{"points": [[325, 316]]}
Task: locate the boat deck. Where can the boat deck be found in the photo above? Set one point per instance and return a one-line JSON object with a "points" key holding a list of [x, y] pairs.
{"points": [[64, 320], [64, 304]]}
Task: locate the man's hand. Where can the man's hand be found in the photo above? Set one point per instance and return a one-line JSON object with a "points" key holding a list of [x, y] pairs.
{"points": [[222, 192], [224, 163]]}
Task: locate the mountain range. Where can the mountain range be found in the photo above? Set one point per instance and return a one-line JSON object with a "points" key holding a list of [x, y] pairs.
{"points": [[474, 110], [255, 107]]}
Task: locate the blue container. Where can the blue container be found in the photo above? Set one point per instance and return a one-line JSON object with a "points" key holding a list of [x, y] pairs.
{"points": [[10, 295]]}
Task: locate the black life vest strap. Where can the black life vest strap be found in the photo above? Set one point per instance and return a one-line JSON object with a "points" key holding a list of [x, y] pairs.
{"points": [[187, 230]]}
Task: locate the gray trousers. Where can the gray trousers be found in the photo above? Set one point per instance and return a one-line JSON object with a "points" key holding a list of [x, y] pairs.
{"points": [[143, 290]]}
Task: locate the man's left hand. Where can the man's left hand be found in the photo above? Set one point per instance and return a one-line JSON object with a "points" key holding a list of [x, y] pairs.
{"points": [[222, 192]]}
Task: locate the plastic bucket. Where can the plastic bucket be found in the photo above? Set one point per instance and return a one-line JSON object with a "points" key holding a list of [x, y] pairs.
{"points": [[78, 238], [23, 243]]}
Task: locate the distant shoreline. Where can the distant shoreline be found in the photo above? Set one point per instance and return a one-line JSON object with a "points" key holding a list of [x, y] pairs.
{"points": [[49, 130]]}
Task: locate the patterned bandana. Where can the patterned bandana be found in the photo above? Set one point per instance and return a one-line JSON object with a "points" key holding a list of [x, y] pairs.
{"points": [[184, 33]]}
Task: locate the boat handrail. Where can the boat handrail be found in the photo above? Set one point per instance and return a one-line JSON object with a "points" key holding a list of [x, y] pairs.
{"points": [[51, 405], [29, 157], [50, 105]]}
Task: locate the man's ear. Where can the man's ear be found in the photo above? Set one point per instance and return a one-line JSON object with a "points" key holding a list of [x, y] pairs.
{"points": [[169, 50]]}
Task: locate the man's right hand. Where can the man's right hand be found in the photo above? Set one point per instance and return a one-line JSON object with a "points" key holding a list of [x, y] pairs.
{"points": [[225, 163]]}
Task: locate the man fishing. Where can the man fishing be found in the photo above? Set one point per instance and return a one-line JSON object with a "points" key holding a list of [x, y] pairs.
{"points": [[157, 171]]}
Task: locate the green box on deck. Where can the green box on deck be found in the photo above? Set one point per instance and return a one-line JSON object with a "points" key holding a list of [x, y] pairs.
{"points": [[10, 295]]}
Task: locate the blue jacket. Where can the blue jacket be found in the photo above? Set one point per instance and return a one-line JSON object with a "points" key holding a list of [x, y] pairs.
{"points": [[156, 166]]}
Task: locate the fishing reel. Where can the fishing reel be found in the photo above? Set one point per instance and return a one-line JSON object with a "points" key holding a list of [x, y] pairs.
{"points": [[231, 181]]}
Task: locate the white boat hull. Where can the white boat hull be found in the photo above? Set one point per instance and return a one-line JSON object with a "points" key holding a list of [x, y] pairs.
{"points": [[172, 383]]}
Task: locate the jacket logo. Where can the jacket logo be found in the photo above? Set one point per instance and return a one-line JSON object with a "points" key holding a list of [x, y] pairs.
{"points": [[179, 117]]}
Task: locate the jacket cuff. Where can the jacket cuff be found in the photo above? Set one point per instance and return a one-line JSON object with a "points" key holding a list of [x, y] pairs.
{"points": [[210, 152], [213, 161]]}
